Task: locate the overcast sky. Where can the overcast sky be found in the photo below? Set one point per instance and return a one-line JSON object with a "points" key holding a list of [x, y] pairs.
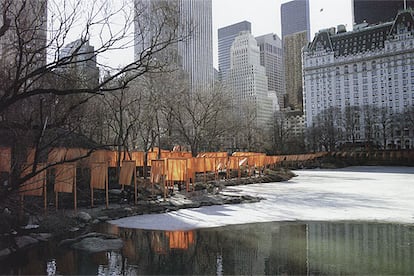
{"points": [[265, 15]]}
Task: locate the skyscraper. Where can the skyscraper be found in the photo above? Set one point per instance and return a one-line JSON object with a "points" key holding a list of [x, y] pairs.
{"points": [[293, 45], [193, 54], [295, 35], [374, 12], [23, 38], [271, 57], [226, 36], [83, 68], [295, 17], [247, 80]]}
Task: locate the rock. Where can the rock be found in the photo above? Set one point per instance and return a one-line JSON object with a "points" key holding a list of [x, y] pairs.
{"points": [[41, 236], [5, 252], [84, 217], [97, 243], [30, 226], [24, 241], [103, 218]]}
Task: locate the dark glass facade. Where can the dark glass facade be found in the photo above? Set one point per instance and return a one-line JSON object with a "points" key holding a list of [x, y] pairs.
{"points": [[376, 11]]}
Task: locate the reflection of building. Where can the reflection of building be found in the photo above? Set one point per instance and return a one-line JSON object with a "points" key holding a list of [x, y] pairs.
{"points": [[226, 36], [374, 12], [343, 248], [372, 65], [271, 57], [248, 82], [288, 254], [82, 65], [193, 54]]}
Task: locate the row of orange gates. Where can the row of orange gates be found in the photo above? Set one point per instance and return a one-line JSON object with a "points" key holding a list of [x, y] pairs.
{"points": [[172, 167]]}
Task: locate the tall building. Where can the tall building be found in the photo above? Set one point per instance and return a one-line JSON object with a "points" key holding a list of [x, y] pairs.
{"points": [[371, 66], [295, 35], [226, 36], [374, 12], [247, 80], [83, 65], [197, 52], [23, 34], [271, 57], [194, 54], [293, 45], [295, 17]]}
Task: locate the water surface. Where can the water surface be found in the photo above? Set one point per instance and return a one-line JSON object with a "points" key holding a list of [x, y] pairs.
{"points": [[273, 248]]}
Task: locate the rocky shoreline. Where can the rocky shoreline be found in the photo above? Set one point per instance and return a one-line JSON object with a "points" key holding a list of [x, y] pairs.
{"points": [[65, 224]]}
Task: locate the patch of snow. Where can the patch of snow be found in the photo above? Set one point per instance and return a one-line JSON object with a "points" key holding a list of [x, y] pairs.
{"points": [[356, 193]]}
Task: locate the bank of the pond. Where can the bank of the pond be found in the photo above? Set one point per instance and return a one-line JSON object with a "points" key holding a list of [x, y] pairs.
{"points": [[66, 223]]}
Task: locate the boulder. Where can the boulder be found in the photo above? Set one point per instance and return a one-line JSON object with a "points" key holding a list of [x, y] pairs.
{"points": [[98, 244], [94, 242], [24, 241], [84, 217], [5, 252]]}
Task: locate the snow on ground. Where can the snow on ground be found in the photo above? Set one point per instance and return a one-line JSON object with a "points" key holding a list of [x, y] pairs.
{"points": [[383, 194]]}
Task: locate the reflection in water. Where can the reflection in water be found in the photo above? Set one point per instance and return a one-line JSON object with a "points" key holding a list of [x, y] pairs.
{"points": [[255, 249]]}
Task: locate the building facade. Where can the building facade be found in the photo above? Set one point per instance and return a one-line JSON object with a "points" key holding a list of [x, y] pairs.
{"points": [[247, 80], [83, 65], [292, 47], [374, 12], [192, 21], [271, 57], [295, 17], [369, 68], [23, 34], [226, 36]]}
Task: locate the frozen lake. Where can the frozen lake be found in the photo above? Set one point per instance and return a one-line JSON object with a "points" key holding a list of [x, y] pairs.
{"points": [[384, 194]]}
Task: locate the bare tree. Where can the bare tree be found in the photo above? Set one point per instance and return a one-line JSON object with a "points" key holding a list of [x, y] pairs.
{"points": [[40, 101], [196, 116], [384, 122], [326, 132], [351, 123]]}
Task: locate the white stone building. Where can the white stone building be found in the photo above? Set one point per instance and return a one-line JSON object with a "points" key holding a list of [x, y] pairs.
{"points": [[247, 80], [271, 57], [369, 66]]}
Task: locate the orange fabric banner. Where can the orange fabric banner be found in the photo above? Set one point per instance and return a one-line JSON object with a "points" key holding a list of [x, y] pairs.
{"points": [[210, 164], [138, 156], [233, 163], [176, 169], [99, 174], [212, 154], [157, 170], [127, 172], [35, 185], [198, 165], [152, 155], [65, 178], [221, 163], [5, 159]]}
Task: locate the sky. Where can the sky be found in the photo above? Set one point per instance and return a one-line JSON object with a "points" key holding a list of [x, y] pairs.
{"points": [[264, 15]]}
